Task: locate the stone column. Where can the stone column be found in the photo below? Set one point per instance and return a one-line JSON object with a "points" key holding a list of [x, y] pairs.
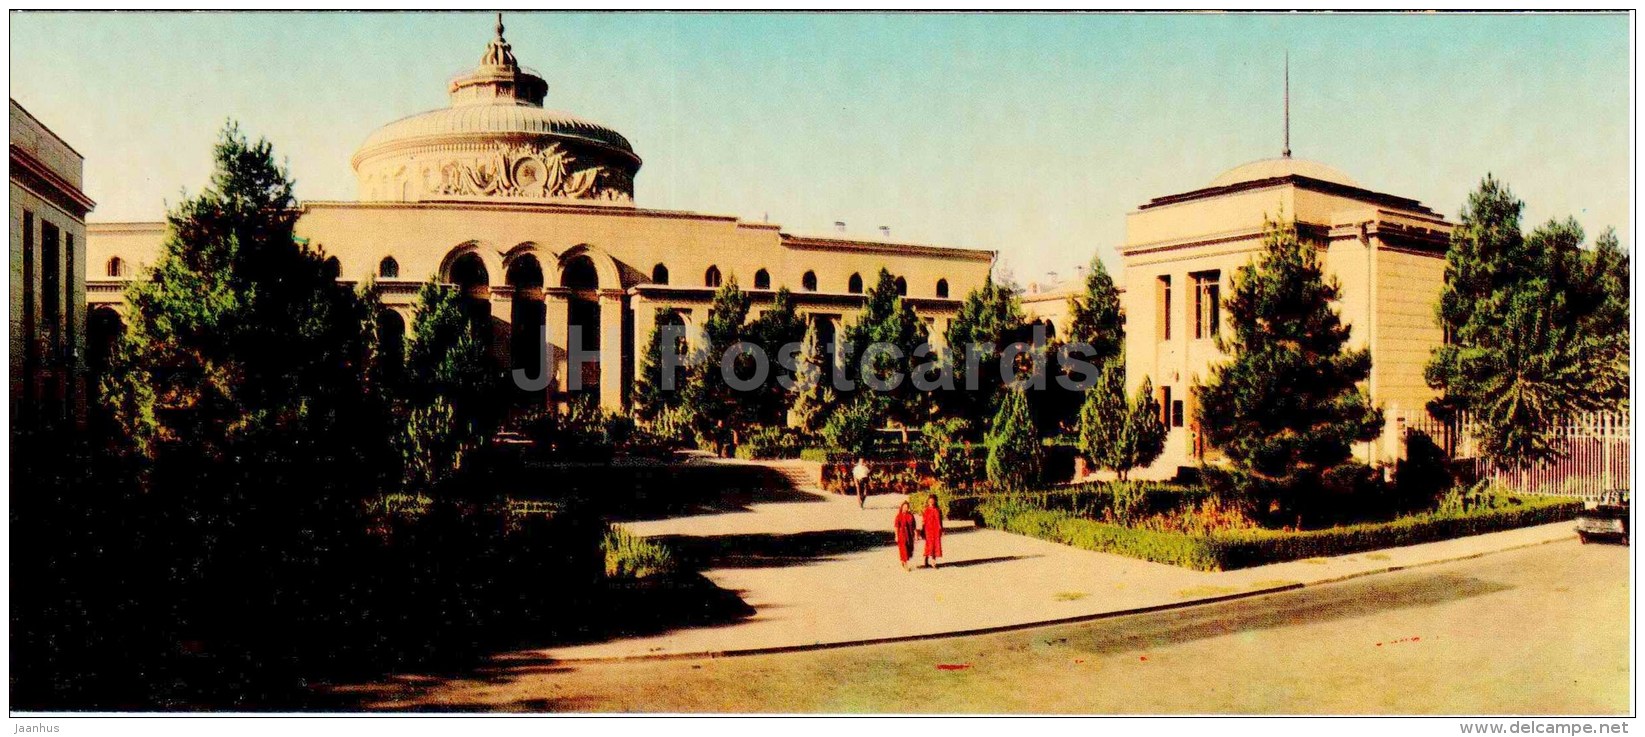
{"points": [[611, 351], [502, 324], [645, 321], [557, 319]]}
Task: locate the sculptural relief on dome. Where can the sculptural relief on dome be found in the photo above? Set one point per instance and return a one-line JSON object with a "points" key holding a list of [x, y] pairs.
{"points": [[533, 172]]}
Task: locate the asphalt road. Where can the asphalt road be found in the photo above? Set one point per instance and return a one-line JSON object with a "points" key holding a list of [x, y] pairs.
{"points": [[1541, 630]]}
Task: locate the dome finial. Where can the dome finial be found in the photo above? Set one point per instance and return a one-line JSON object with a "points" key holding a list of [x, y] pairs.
{"points": [[498, 53]]}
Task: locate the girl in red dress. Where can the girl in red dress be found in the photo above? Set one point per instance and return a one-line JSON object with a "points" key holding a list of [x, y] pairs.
{"points": [[903, 524], [932, 531]]}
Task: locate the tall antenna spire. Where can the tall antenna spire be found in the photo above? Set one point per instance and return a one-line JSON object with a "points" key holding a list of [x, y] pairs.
{"points": [[499, 24], [1287, 153]]}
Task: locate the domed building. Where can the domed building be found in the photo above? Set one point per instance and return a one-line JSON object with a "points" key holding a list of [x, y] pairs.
{"points": [[1181, 252], [532, 213]]}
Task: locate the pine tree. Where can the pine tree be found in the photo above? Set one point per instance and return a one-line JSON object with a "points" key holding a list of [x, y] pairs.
{"points": [[1013, 445], [654, 397], [242, 349], [1145, 430], [1094, 318], [1118, 435], [887, 319], [990, 318], [1103, 419], [1537, 327], [814, 396], [448, 365], [1287, 404], [717, 413], [780, 325]]}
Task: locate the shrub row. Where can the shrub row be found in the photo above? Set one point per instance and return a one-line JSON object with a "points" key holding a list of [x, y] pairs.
{"points": [[772, 443], [1244, 548]]}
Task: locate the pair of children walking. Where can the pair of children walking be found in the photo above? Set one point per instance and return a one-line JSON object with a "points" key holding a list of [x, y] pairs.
{"points": [[930, 529]]}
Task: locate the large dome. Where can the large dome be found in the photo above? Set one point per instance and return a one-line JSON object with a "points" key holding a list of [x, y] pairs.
{"points": [[1282, 167], [490, 122], [496, 140]]}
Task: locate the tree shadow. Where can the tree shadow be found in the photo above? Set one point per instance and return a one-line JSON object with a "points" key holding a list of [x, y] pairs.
{"points": [[1346, 600], [640, 492]]}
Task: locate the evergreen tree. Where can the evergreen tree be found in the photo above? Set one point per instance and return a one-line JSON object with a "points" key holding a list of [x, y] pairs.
{"points": [[447, 360], [1013, 445], [887, 319], [1117, 435], [814, 396], [1144, 437], [1103, 419], [242, 349], [717, 413], [1537, 327], [1094, 318], [990, 318], [780, 325], [1287, 404], [453, 400], [653, 397]]}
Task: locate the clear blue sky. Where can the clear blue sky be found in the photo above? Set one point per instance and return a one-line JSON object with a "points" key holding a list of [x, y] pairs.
{"points": [[1029, 134]]}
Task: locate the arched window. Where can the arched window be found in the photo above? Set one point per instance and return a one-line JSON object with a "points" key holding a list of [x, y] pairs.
{"points": [[855, 285], [942, 287], [579, 273], [711, 278], [809, 281], [391, 341], [117, 267], [388, 268], [902, 286], [762, 279], [659, 274]]}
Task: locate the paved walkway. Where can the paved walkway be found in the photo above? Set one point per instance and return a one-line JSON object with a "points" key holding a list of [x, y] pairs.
{"points": [[820, 571]]}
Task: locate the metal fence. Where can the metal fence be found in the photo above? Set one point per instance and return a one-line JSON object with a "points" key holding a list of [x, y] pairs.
{"points": [[1595, 455]]}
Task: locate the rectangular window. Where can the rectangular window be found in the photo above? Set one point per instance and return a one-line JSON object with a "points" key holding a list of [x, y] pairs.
{"points": [[1165, 405], [51, 315], [69, 301], [1164, 290], [51, 289], [1207, 303], [1176, 413], [31, 345]]}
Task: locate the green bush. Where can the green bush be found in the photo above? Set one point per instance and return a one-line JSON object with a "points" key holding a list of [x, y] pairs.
{"points": [[772, 442], [629, 556], [814, 455], [1029, 515]]}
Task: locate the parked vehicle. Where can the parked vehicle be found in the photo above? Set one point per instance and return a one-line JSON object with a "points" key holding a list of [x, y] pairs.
{"points": [[1605, 518]]}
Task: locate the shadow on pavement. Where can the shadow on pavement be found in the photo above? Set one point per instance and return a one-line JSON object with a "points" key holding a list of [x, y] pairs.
{"points": [[771, 550], [983, 561], [1310, 605]]}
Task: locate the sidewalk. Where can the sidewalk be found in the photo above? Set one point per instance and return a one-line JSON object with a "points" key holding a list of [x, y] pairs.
{"points": [[815, 576]]}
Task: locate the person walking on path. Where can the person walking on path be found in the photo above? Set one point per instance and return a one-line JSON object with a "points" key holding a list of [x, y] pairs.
{"points": [[903, 525], [932, 531], [859, 476]]}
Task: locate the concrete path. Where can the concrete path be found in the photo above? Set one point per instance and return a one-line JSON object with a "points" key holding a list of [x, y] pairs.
{"points": [[820, 571]]}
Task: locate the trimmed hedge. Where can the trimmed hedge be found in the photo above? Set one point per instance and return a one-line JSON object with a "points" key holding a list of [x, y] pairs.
{"points": [[1246, 548]]}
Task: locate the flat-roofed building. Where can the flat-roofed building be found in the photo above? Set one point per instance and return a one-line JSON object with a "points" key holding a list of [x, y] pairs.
{"points": [[1181, 253], [531, 212], [48, 277]]}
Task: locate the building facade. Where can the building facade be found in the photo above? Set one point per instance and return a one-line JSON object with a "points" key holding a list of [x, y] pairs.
{"points": [[531, 213], [1181, 253], [48, 277]]}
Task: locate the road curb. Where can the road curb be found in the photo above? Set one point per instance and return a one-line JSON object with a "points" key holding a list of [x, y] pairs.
{"points": [[1077, 619]]}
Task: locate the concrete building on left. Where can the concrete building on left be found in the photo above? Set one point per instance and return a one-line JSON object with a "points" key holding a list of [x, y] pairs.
{"points": [[48, 278]]}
